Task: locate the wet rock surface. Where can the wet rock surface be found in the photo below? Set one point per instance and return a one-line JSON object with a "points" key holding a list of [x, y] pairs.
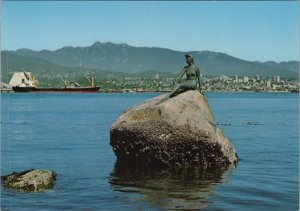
{"points": [[178, 133], [31, 180]]}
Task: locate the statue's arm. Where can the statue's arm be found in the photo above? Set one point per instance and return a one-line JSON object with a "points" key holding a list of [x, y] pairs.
{"points": [[181, 74]]}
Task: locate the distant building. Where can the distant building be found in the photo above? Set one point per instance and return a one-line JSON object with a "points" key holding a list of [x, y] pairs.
{"points": [[257, 77], [224, 77], [246, 79], [276, 79], [23, 79], [236, 78], [269, 83], [4, 86], [157, 76]]}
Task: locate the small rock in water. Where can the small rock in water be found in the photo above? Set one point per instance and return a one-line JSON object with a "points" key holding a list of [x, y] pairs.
{"points": [[30, 180], [253, 123]]}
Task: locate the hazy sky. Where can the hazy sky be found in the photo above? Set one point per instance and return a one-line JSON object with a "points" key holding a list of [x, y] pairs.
{"points": [[254, 31]]}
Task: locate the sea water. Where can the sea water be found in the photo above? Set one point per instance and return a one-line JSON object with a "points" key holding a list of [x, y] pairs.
{"points": [[69, 134]]}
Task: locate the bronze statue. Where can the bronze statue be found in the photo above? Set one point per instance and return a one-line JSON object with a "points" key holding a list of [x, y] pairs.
{"points": [[191, 81]]}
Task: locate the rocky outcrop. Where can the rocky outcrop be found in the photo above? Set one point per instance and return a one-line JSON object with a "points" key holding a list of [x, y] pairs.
{"points": [[180, 132], [30, 180]]}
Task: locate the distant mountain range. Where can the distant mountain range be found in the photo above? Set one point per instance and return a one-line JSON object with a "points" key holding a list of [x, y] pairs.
{"points": [[291, 65], [105, 58]]}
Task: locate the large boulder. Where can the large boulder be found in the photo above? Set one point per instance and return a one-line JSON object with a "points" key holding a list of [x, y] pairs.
{"points": [[180, 132], [30, 180]]}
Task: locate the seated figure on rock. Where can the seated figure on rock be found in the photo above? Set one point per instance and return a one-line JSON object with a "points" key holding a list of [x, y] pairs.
{"points": [[191, 81]]}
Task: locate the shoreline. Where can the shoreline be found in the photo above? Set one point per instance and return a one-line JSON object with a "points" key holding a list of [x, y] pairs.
{"points": [[142, 92]]}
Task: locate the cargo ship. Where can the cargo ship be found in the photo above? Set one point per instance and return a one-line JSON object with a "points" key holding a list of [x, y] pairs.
{"points": [[27, 82]]}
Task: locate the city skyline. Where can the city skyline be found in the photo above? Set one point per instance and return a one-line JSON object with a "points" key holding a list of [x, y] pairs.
{"points": [[253, 31]]}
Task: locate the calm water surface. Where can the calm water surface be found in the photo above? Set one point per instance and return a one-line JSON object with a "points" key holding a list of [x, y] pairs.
{"points": [[69, 134]]}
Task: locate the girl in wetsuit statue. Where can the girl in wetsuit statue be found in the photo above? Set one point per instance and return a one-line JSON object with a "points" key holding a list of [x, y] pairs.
{"points": [[192, 73]]}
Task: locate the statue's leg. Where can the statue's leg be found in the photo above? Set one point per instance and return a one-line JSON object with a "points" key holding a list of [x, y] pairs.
{"points": [[168, 96], [183, 87], [175, 90], [179, 88]]}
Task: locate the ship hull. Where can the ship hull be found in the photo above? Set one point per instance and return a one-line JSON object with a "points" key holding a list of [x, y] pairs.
{"points": [[70, 90]]}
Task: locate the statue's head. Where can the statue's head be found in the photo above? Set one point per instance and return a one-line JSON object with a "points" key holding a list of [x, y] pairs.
{"points": [[189, 58]]}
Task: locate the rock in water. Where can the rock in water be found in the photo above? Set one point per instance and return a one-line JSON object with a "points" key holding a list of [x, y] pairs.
{"points": [[30, 180], [180, 132]]}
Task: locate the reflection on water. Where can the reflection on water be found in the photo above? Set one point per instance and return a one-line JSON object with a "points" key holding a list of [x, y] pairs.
{"points": [[168, 190]]}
